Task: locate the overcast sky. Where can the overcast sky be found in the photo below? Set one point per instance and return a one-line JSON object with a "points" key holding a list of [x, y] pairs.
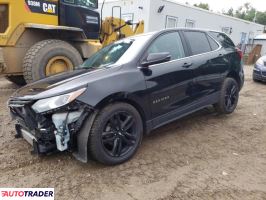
{"points": [[218, 5]]}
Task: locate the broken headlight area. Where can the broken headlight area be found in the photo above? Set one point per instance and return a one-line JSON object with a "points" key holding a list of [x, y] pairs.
{"points": [[50, 131], [44, 105]]}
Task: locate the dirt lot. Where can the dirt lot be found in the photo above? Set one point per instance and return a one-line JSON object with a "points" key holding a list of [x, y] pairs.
{"points": [[205, 156]]}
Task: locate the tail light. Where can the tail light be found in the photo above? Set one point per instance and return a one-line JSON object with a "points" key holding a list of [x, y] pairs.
{"points": [[240, 53], [3, 17]]}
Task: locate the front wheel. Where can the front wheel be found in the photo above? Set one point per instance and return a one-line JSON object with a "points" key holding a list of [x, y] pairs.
{"points": [[116, 134], [228, 97]]}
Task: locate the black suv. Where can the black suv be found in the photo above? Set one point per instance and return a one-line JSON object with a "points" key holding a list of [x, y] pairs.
{"points": [[127, 89]]}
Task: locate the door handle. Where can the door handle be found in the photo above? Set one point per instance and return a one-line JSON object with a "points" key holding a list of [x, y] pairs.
{"points": [[221, 55], [187, 65]]}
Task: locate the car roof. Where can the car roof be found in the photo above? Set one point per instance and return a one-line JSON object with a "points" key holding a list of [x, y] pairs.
{"points": [[187, 29], [155, 33]]}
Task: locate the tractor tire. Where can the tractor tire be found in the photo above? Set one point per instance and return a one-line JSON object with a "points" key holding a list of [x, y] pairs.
{"points": [[18, 80], [49, 57]]}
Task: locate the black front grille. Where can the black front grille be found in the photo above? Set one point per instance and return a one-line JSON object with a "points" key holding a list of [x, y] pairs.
{"points": [[18, 103], [256, 72], [25, 115], [21, 109], [3, 17], [264, 73]]}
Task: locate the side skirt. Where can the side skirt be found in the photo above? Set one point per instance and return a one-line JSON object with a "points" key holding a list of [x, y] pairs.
{"points": [[182, 112]]}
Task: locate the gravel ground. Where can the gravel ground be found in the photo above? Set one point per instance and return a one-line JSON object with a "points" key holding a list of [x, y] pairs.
{"points": [[204, 156]]}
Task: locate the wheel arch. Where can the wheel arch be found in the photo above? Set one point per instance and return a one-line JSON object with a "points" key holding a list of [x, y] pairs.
{"points": [[32, 33], [82, 152], [124, 98], [234, 75], [27, 35]]}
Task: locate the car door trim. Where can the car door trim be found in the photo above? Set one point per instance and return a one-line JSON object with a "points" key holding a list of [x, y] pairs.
{"points": [[184, 111], [179, 59]]}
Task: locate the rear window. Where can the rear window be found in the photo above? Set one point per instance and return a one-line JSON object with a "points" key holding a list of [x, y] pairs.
{"points": [[213, 43], [198, 42], [3, 17], [224, 40]]}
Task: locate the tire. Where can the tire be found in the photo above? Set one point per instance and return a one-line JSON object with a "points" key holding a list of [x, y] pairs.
{"points": [[104, 136], [39, 55], [229, 97], [18, 80]]}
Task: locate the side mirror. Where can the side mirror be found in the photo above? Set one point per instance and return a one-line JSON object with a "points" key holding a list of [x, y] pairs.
{"points": [[156, 58]]}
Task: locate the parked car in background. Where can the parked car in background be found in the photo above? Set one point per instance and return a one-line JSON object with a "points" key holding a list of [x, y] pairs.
{"points": [[128, 89], [259, 71]]}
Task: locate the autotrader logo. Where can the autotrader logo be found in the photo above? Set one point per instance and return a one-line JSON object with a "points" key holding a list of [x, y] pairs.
{"points": [[26, 193]]}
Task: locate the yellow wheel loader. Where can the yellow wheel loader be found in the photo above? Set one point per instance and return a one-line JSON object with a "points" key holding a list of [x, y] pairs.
{"points": [[39, 38]]}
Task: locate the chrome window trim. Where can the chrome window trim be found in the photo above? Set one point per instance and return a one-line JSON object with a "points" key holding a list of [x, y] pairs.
{"points": [[220, 47]]}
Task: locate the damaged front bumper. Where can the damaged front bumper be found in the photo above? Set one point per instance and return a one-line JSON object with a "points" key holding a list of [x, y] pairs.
{"points": [[55, 130]]}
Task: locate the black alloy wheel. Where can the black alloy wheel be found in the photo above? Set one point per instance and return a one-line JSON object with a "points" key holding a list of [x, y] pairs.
{"points": [[116, 134], [228, 97], [231, 96], [119, 135]]}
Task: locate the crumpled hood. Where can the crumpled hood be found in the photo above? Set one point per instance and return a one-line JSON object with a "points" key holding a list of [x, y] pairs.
{"points": [[61, 84]]}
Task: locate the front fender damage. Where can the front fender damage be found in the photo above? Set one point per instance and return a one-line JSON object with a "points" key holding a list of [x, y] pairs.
{"points": [[83, 137]]}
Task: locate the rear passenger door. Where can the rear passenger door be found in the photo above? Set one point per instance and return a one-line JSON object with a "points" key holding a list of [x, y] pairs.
{"points": [[208, 59]]}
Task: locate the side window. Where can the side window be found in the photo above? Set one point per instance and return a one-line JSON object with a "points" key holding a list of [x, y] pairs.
{"points": [[4, 13], [213, 43], [170, 42], [225, 41], [198, 42]]}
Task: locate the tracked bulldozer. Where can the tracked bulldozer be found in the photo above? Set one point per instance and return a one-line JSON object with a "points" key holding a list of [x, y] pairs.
{"points": [[40, 38]]}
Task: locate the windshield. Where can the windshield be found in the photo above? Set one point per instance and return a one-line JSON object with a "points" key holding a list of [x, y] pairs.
{"points": [[86, 3], [108, 55]]}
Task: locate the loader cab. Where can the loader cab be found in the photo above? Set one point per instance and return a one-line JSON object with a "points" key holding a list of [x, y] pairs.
{"points": [[81, 14]]}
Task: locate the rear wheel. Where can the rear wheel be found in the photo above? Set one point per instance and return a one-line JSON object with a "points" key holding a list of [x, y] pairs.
{"points": [[18, 80], [49, 57], [116, 134], [228, 97]]}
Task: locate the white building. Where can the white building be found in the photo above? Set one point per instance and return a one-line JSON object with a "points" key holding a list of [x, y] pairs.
{"points": [[160, 14], [261, 39]]}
